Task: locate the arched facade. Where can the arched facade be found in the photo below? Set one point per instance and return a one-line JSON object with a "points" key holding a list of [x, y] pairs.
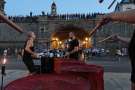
{"points": [[60, 35]]}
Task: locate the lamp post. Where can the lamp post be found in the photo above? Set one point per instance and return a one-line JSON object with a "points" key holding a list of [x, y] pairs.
{"points": [[86, 39], [3, 68], [3, 72]]}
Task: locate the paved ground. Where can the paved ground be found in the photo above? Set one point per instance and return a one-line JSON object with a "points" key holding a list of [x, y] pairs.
{"points": [[112, 81], [117, 81], [110, 63], [116, 77]]}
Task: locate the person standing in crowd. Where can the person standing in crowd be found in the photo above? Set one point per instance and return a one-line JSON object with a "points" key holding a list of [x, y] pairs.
{"points": [[73, 47], [29, 53], [129, 17]]}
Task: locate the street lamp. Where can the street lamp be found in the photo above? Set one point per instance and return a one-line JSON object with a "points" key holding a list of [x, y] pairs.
{"points": [[86, 39], [3, 68], [60, 42], [3, 72], [57, 39]]}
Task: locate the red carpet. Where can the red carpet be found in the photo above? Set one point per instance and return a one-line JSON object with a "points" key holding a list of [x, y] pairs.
{"points": [[50, 82]]}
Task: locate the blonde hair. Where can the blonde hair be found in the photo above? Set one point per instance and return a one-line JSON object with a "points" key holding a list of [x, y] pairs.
{"points": [[29, 34]]}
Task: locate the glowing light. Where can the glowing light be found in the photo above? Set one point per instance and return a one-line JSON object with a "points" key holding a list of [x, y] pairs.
{"points": [[86, 39], [56, 39], [84, 42], [60, 42], [4, 61]]}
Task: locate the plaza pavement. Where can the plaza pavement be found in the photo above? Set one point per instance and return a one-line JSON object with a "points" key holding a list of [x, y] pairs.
{"points": [[112, 81]]}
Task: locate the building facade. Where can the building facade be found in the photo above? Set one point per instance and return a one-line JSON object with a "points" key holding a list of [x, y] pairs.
{"points": [[2, 6], [125, 5], [46, 25]]}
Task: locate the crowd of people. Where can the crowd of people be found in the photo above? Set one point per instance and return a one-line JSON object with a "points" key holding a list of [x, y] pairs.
{"points": [[75, 16], [23, 19], [105, 52], [30, 18]]}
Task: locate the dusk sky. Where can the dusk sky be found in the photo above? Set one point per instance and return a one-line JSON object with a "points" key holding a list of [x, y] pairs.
{"points": [[23, 7]]}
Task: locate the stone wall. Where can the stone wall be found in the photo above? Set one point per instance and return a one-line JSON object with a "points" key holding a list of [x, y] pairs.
{"points": [[45, 27]]}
